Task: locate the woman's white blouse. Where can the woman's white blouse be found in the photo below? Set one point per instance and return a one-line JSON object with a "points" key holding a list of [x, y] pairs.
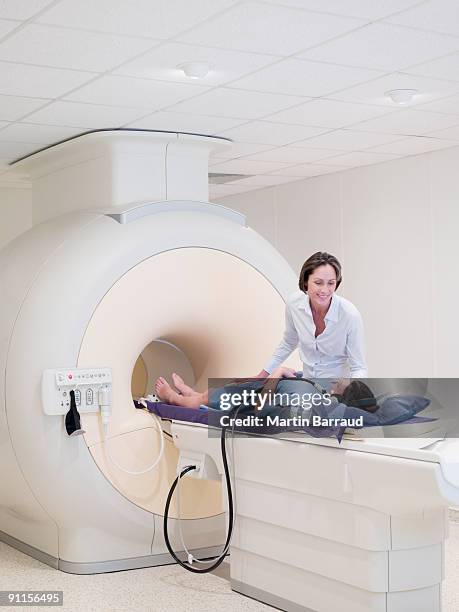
{"points": [[337, 352]]}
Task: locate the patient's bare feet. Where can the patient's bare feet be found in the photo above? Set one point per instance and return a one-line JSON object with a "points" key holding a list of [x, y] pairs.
{"points": [[182, 387], [165, 392]]}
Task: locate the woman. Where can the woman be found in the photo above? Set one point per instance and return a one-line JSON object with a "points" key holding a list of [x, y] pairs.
{"points": [[326, 328]]}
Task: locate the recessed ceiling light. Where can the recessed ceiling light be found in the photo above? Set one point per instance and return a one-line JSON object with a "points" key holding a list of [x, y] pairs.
{"points": [[401, 96], [195, 70]]}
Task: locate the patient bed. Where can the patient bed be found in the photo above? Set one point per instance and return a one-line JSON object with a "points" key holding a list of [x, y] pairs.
{"points": [[356, 526]]}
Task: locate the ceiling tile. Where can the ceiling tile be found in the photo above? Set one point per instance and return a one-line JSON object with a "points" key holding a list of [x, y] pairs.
{"points": [[89, 116], [306, 170], [239, 187], [7, 26], [436, 15], [161, 63], [266, 105], [38, 82], [270, 133], [65, 48], [445, 68], [414, 145], [238, 149], [224, 102], [373, 91], [451, 133], [383, 46], [262, 28], [449, 105], [263, 180], [293, 155], [360, 158], [217, 192], [157, 19], [244, 166], [13, 150], [328, 113], [181, 122], [140, 93], [21, 9], [376, 9], [15, 107], [408, 122], [243, 187], [303, 78], [349, 140], [36, 134]]}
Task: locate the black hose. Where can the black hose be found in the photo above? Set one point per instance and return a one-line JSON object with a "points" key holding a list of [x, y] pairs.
{"points": [[185, 470], [190, 468]]}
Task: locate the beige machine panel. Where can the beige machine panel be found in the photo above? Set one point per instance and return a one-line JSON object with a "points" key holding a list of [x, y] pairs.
{"points": [[221, 318]]}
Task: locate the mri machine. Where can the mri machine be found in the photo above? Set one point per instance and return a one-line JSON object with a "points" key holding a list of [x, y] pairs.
{"points": [[127, 273]]}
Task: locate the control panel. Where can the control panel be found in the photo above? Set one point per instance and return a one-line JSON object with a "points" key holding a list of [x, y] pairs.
{"points": [[86, 382]]}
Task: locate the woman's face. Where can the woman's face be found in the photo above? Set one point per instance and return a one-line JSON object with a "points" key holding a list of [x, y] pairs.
{"points": [[321, 286]]}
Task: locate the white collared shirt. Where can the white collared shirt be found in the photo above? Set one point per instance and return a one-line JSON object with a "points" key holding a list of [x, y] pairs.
{"points": [[336, 353]]}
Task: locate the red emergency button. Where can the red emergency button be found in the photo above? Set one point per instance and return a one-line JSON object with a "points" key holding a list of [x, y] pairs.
{"points": [[70, 376]]}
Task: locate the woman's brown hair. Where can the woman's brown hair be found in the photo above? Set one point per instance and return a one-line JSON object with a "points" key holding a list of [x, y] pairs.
{"points": [[314, 262]]}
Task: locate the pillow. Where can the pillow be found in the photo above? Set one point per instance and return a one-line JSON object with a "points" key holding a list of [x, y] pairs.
{"points": [[393, 409], [396, 408], [370, 419]]}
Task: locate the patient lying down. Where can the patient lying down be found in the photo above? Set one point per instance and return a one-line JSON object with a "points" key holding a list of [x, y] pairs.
{"points": [[186, 396]]}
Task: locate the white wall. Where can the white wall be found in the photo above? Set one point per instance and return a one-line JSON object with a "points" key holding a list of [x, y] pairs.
{"points": [[15, 210], [394, 228]]}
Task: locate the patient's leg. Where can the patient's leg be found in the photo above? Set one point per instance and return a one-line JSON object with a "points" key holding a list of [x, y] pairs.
{"points": [[182, 387], [165, 392]]}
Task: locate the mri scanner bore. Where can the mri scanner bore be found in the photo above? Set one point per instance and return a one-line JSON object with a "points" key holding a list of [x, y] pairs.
{"points": [[91, 289]]}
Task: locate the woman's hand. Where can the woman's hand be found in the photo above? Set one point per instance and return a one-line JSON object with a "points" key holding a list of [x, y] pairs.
{"points": [[262, 374], [283, 372]]}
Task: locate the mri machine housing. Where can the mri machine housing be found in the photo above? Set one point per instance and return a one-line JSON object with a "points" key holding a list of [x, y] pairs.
{"points": [[137, 273]]}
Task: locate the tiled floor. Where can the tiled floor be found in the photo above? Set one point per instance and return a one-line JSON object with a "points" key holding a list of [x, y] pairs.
{"points": [[168, 588]]}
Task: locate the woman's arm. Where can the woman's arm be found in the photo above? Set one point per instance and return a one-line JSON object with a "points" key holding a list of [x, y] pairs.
{"points": [[262, 374], [275, 376], [355, 348]]}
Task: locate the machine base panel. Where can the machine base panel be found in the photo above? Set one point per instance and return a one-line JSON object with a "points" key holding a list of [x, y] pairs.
{"points": [[29, 550], [103, 567], [267, 598]]}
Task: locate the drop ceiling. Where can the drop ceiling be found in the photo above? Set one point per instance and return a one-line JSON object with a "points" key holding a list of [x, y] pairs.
{"points": [[298, 85]]}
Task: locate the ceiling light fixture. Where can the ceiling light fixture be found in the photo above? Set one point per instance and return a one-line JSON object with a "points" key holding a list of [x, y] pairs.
{"points": [[195, 70], [401, 96]]}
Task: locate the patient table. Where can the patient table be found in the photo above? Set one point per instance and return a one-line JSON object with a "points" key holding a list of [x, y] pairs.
{"points": [[358, 526]]}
